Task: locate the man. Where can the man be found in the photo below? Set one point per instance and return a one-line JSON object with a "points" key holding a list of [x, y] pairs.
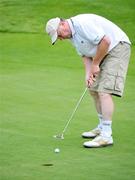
{"points": [[105, 51]]}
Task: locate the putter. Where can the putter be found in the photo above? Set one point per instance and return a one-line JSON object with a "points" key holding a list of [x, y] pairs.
{"points": [[61, 136]]}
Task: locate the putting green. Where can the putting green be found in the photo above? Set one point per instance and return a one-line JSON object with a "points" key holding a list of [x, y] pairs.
{"points": [[39, 87]]}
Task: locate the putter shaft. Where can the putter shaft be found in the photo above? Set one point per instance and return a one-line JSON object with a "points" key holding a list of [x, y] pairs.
{"points": [[74, 111]]}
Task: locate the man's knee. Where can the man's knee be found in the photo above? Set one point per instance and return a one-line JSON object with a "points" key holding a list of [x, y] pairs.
{"points": [[103, 95]]}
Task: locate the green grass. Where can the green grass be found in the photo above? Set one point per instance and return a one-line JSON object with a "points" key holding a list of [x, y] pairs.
{"points": [[39, 87], [30, 16]]}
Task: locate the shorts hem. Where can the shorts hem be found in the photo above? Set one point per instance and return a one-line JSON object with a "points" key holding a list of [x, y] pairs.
{"points": [[114, 93]]}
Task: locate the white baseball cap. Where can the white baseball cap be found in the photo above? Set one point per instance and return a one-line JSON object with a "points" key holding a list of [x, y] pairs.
{"points": [[51, 28]]}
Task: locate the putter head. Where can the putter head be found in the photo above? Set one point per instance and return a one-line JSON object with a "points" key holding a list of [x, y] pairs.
{"points": [[59, 136]]}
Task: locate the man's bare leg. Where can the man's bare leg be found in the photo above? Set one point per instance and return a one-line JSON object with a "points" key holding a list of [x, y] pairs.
{"points": [[98, 107], [107, 108], [105, 102]]}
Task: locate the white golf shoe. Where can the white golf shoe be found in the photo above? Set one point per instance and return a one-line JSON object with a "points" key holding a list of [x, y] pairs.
{"points": [[99, 141], [91, 134]]}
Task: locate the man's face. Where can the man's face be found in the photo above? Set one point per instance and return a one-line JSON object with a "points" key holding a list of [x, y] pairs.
{"points": [[64, 31]]}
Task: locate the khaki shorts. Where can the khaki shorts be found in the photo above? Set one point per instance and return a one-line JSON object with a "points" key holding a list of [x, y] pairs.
{"points": [[113, 70]]}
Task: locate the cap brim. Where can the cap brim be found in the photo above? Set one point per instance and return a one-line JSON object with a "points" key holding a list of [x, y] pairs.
{"points": [[54, 38]]}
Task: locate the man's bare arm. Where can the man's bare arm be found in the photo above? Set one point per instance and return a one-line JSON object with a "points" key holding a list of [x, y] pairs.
{"points": [[102, 50], [87, 65]]}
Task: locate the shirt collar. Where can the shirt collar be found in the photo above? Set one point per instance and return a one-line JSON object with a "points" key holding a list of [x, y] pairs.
{"points": [[71, 26]]}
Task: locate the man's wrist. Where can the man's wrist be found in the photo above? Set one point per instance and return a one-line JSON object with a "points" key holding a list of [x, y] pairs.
{"points": [[95, 62]]}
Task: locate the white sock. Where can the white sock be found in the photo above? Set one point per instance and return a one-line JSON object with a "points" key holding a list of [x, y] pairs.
{"points": [[106, 128], [100, 117]]}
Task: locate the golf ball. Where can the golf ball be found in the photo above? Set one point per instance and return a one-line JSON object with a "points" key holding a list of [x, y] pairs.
{"points": [[57, 150]]}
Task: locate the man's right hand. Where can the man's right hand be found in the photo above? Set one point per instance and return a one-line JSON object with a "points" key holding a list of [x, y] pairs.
{"points": [[89, 80]]}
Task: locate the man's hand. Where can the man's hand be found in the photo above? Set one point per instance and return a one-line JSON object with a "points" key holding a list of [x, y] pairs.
{"points": [[91, 77], [94, 70], [94, 73], [89, 82]]}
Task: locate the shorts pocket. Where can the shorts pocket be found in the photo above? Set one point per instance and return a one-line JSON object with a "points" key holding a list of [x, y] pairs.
{"points": [[109, 82], [119, 83], [114, 82]]}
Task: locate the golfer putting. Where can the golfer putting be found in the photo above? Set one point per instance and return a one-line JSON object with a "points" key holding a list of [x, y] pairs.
{"points": [[105, 52]]}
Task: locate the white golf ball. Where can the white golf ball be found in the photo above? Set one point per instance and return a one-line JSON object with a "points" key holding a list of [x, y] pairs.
{"points": [[57, 150]]}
